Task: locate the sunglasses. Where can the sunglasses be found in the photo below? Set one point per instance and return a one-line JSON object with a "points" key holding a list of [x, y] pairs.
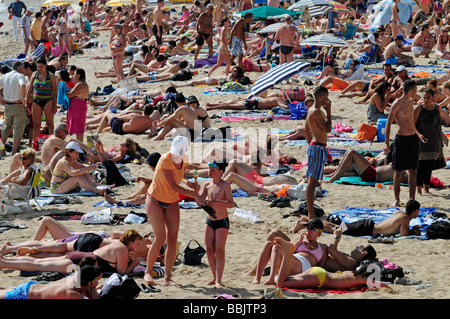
{"points": [[23, 158]]}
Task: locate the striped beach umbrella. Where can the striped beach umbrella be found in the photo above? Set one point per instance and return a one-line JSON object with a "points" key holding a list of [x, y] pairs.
{"points": [[56, 3], [275, 75], [303, 3], [271, 28], [339, 6], [118, 3], [324, 40]]}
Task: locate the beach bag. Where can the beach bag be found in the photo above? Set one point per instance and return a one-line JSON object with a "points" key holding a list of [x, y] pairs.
{"points": [[39, 141], [366, 132], [294, 94], [302, 209], [298, 111], [440, 229], [183, 75], [113, 175], [166, 106], [104, 216], [193, 256], [120, 287], [233, 87]]}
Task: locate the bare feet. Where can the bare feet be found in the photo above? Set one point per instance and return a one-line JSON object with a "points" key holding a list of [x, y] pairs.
{"points": [[170, 282], [25, 251], [109, 199], [5, 249], [149, 279]]}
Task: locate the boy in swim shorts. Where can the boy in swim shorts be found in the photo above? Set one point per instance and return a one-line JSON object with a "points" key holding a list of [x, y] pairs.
{"points": [[220, 197], [317, 126]]}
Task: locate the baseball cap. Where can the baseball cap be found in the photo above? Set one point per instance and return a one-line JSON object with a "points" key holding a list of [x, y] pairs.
{"points": [[180, 145], [401, 68], [371, 38], [400, 37], [153, 159], [74, 146], [316, 223], [32, 10]]}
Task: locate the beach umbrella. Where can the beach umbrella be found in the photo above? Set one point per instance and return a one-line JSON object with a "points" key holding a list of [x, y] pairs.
{"points": [[117, 3], [339, 6], [269, 12], [380, 5], [304, 3], [275, 75], [384, 16], [271, 28], [319, 10], [56, 3], [324, 40]]}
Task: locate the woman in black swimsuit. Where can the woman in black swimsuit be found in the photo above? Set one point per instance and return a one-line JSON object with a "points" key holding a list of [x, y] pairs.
{"points": [[202, 115]]}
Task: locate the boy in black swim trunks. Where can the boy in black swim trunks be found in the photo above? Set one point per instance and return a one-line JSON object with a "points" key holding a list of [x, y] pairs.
{"points": [[220, 198]]}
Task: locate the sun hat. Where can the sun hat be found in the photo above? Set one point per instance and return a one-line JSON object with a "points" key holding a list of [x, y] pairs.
{"points": [[180, 145], [32, 10], [399, 37], [371, 38], [192, 99], [74, 146]]}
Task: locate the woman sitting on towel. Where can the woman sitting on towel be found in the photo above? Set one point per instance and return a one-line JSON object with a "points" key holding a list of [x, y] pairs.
{"points": [[305, 248], [115, 153], [23, 176], [69, 174]]}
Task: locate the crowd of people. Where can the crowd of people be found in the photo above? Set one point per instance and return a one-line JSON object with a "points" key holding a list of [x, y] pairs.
{"points": [[34, 90]]}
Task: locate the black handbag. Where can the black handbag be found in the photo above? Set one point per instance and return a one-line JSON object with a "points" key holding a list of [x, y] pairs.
{"points": [[193, 256]]}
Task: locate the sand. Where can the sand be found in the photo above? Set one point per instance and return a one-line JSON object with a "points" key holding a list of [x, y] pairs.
{"points": [[426, 260]]}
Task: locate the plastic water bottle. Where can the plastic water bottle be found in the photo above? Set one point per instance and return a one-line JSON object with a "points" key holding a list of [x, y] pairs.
{"points": [[2, 147], [383, 186]]}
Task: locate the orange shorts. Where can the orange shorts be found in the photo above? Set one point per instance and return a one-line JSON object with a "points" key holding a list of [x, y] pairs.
{"points": [[338, 84]]}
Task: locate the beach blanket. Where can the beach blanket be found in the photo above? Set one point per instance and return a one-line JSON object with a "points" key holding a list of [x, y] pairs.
{"points": [[45, 192], [104, 203], [356, 180]]}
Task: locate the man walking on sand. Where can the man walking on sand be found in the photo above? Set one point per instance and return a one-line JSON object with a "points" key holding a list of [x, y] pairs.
{"points": [[317, 126], [405, 148], [205, 31], [288, 37], [237, 38]]}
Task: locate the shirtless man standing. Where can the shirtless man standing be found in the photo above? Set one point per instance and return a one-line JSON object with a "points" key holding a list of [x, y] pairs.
{"points": [[237, 38], [205, 30], [157, 27], [288, 37], [393, 53], [183, 118], [317, 126], [423, 43], [405, 154]]}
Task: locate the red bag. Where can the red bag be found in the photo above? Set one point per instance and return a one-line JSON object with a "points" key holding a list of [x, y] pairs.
{"points": [[39, 141]]}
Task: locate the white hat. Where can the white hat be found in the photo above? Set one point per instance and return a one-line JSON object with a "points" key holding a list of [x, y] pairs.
{"points": [[180, 145], [371, 38], [401, 68], [74, 146], [32, 10]]}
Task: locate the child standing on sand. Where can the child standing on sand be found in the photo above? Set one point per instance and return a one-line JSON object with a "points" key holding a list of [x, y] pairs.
{"points": [[219, 195]]}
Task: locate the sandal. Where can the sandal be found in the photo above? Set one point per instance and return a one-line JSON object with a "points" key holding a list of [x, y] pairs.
{"points": [[148, 289]]}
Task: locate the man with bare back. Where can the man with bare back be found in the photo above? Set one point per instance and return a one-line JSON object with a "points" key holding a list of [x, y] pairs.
{"points": [[405, 148], [205, 30], [317, 127], [157, 27]]}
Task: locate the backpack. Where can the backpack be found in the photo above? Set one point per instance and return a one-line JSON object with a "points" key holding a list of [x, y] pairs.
{"points": [[166, 106], [183, 75], [119, 287], [440, 229], [39, 141]]}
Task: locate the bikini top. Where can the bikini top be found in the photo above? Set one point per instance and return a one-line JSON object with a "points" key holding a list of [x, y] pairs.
{"points": [[316, 252]]}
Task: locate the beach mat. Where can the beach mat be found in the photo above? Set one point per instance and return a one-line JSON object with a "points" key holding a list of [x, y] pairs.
{"points": [[45, 192], [356, 180]]}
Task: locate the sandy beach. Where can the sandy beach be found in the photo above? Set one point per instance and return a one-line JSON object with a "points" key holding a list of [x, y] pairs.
{"points": [[425, 260]]}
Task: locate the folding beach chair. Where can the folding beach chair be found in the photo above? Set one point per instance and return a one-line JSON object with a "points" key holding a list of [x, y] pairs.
{"points": [[39, 51], [350, 30], [35, 189]]}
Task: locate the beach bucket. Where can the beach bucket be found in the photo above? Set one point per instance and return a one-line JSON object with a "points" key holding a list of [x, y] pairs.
{"points": [[381, 130]]}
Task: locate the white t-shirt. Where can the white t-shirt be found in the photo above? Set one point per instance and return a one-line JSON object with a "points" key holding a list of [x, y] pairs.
{"points": [[26, 23], [11, 83]]}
